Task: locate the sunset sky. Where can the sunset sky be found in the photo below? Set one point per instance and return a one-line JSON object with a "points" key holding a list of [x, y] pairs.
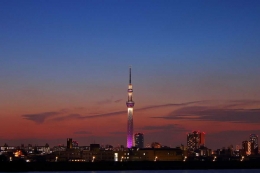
{"points": [[64, 70]]}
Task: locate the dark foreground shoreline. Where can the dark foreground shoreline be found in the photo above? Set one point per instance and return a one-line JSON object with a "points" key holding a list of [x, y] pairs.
{"points": [[104, 166]]}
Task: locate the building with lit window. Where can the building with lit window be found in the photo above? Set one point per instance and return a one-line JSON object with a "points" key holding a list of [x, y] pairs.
{"points": [[246, 148], [253, 138], [195, 140], [139, 140]]}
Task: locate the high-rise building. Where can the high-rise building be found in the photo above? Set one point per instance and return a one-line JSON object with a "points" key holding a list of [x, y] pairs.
{"points": [[253, 138], [139, 140], [69, 143], [130, 108], [202, 138], [195, 140], [246, 147]]}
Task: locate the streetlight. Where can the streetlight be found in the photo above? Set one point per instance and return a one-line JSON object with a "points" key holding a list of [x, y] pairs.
{"points": [[185, 158], [93, 158], [155, 159], [214, 159], [242, 158]]}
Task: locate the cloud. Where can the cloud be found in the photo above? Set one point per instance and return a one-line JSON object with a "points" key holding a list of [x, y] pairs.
{"points": [[231, 104], [78, 116], [117, 101], [106, 101], [41, 117], [169, 105], [105, 114], [209, 113], [67, 117], [82, 133], [199, 111]]}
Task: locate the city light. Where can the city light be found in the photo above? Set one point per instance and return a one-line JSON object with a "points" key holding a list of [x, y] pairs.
{"points": [[242, 158], [185, 158], [155, 159], [214, 159]]}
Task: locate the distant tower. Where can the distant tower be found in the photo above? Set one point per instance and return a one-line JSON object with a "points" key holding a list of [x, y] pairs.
{"points": [[253, 138], [130, 107], [139, 140]]}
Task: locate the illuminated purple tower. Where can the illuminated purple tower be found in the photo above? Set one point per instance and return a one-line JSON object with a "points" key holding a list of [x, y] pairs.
{"points": [[130, 107]]}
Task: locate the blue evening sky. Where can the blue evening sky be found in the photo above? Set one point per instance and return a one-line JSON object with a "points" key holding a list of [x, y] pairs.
{"points": [[169, 43]]}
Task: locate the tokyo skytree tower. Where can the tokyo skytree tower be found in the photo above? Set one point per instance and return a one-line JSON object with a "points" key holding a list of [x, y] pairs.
{"points": [[130, 107]]}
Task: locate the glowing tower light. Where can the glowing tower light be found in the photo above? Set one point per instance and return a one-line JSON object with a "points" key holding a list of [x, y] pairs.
{"points": [[130, 108]]}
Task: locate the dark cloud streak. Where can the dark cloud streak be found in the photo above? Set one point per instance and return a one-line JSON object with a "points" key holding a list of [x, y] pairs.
{"points": [[117, 101], [41, 117], [78, 116], [186, 112], [168, 105], [67, 117], [108, 101], [204, 113]]}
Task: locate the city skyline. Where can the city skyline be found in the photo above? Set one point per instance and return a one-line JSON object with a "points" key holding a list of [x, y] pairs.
{"points": [[63, 71]]}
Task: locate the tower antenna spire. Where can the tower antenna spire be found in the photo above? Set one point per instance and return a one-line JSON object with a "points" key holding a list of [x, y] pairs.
{"points": [[130, 74]]}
